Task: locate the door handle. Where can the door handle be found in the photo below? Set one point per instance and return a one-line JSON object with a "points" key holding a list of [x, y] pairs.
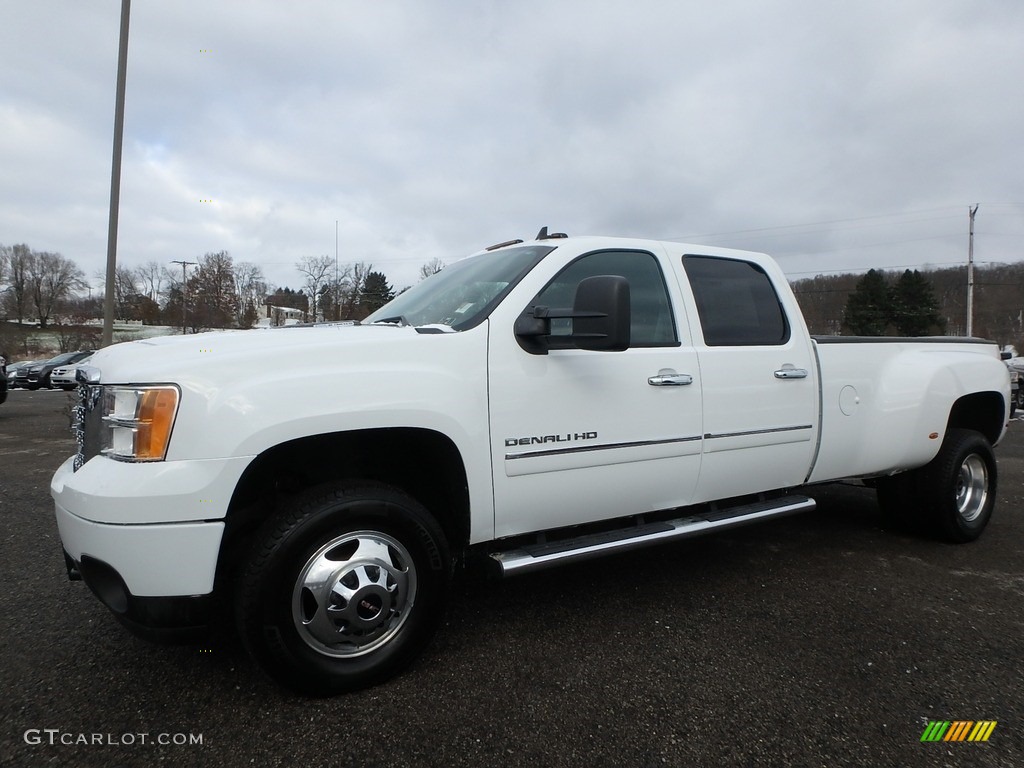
{"points": [[669, 378], [789, 372]]}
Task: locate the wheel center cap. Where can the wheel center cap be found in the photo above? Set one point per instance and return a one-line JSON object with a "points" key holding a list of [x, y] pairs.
{"points": [[369, 607]]}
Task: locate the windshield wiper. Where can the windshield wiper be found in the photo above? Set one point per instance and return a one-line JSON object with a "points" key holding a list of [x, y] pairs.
{"points": [[435, 328], [398, 320]]}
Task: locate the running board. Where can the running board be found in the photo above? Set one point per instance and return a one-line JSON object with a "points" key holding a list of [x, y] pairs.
{"points": [[534, 557]]}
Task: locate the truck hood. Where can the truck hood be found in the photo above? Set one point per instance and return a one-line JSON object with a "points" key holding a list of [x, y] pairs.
{"points": [[236, 354], [244, 392]]}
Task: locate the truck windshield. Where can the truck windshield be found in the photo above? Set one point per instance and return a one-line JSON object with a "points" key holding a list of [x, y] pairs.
{"points": [[462, 295]]}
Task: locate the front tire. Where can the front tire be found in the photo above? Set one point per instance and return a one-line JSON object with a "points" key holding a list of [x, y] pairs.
{"points": [[344, 589]]}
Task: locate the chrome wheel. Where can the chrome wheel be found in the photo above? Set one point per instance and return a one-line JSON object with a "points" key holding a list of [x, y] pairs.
{"points": [[344, 587], [354, 594], [958, 487], [972, 488]]}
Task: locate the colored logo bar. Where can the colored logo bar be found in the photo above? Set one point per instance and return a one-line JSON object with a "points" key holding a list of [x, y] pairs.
{"points": [[958, 730]]}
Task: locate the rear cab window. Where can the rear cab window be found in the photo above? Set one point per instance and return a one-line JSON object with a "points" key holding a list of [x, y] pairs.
{"points": [[736, 303]]}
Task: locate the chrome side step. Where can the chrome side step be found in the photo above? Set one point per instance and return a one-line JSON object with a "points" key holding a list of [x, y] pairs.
{"points": [[534, 557]]}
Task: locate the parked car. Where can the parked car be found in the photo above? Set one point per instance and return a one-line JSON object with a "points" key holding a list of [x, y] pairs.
{"points": [[17, 374], [3, 382], [64, 376], [1016, 366], [38, 375]]}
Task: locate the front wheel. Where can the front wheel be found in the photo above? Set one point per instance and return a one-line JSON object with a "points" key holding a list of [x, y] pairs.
{"points": [[344, 589], [959, 486]]}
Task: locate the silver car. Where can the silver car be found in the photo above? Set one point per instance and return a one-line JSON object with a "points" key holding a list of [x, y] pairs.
{"points": [[64, 376]]}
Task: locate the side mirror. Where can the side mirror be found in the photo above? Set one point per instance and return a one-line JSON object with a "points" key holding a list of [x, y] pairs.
{"points": [[1007, 355], [600, 318], [601, 314]]}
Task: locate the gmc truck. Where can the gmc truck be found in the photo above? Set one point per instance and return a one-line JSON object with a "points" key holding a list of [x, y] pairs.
{"points": [[535, 404]]}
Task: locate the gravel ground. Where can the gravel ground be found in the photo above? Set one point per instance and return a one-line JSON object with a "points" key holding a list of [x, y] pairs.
{"points": [[819, 640]]}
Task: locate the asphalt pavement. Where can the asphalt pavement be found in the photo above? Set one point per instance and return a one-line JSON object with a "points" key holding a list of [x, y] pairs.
{"points": [[817, 640]]}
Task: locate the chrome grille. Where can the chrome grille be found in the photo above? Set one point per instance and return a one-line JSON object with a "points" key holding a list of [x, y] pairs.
{"points": [[87, 422]]}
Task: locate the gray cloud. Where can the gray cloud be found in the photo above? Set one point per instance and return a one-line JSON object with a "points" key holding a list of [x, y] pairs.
{"points": [[427, 132]]}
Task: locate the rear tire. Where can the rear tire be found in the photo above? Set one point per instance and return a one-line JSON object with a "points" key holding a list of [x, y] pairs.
{"points": [[344, 588], [959, 486]]}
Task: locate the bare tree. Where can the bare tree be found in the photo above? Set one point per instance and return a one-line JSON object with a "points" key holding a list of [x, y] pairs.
{"points": [[5, 256], [432, 267], [352, 292], [52, 278], [335, 290], [152, 277], [126, 289], [317, 270], [19, 262], [250, 290]]}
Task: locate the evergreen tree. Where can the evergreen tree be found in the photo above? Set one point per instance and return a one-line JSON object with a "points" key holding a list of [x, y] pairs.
{"points": [[375, 293], [869, 308], [915, 311]]}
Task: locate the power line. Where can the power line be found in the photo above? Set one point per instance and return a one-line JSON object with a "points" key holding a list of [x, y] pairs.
{"points": [[817, 223]]}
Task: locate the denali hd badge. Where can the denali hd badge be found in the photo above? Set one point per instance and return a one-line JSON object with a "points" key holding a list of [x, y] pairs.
{"points": [[568, 437]]}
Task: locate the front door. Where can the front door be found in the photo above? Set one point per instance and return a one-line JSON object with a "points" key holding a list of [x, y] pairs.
{"points": [[579, 436]]}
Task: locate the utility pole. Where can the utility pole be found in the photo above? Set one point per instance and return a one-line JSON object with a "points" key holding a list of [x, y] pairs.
{"points": [[970, 273], [184, 292], [337, 288], [115, 176]]}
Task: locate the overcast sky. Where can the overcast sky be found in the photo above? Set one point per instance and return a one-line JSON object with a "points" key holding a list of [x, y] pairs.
{"points": [[835, 136]]}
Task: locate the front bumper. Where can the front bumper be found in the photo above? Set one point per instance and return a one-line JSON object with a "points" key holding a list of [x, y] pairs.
{"points": [[156, 579], [156, 576], [167, 560], [158, 619]]}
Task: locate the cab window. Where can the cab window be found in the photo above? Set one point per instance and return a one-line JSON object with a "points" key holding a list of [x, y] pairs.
{"points": [[651, 324], [736, 302]]}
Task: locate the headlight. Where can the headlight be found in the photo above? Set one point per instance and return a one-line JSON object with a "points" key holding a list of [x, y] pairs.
{"points": [[137, 422]]}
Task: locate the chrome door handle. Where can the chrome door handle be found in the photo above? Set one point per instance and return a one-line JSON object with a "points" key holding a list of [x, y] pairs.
{"points": [[789, 372], [670, 379]]}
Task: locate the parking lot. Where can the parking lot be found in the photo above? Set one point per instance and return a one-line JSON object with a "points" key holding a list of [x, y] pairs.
{"points": [[819, 640]]}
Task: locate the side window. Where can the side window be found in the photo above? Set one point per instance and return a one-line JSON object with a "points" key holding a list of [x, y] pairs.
{"points": [[651, 316], [736, 302]]}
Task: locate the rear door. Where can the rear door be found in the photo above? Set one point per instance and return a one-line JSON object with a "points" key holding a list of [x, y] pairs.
{"points": [[759, 377]]}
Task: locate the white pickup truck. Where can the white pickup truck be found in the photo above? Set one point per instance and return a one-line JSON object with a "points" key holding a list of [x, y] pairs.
{"points": [[534, 404]]}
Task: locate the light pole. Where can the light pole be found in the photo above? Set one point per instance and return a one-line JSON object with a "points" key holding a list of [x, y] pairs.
{"points": [[115, 176], [970, 273], [337, 288], [184, 292]]}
